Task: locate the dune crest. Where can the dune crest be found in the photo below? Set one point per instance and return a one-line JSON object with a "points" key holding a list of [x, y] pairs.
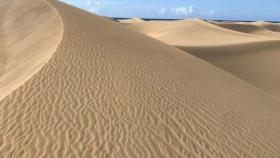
{"points": [[31, 31], [108, 91]]}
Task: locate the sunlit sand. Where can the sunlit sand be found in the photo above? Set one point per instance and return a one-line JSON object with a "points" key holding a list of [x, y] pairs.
{"points": [[73, 84]]}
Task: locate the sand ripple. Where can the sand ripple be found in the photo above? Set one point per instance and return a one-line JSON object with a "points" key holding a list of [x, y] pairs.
{"points": [[110, 92]]}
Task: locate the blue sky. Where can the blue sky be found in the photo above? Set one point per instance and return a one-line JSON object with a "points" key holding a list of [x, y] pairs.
{"points": [[266, 10]]}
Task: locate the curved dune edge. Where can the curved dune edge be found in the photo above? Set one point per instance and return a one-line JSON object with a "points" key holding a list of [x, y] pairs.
{"points": [[31, 34], [108, 91]]}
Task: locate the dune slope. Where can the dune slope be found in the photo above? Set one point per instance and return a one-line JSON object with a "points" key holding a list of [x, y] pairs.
{"points": [[251, 28], [29, 36], [255, 63], [108, 91], [247, 50], [271, 26]]}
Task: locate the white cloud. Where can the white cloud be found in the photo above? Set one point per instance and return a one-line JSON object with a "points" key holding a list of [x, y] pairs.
{"points": [[96, 5], [183, 10], [191, 11], [89, 3], [162, 11]]}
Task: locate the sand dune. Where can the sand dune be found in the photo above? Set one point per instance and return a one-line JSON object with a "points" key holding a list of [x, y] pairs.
{"points": [[132, 20], [255, 63], [193, 32], [251, 28], [270, 26], [108, 91], [251, 58], [29, 36]]}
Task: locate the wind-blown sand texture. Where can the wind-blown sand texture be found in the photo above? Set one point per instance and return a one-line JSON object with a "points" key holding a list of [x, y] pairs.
{"points": [[99, 89]]}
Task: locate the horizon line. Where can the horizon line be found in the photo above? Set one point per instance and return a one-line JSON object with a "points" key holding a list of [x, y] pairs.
{"points": [[174, 19]]}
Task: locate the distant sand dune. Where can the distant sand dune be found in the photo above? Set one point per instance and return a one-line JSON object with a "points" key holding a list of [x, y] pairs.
{"points": [[132, 20], [250, 51], [251, 28], [108, 91], [270, 26], [193, 32], [253, 62]]}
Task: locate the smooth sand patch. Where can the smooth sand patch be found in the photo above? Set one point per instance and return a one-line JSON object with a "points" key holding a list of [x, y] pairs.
{"points": [[31, 31]]}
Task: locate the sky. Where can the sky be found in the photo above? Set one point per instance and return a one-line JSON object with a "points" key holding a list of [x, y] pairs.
{"points": [[248, 10]]}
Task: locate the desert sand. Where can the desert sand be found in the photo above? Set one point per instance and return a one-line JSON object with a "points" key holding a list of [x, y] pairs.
{"points": [[74, 84], [249, 51]]}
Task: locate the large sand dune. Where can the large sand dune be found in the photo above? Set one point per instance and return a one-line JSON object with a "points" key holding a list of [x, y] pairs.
{"points": [[270, 26], [108, 91], [192, 32], [29, 36], [256, 63], [248, 50]]}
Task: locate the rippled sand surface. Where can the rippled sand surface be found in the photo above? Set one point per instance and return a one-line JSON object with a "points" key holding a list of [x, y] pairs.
{"points": [[74, 84]]}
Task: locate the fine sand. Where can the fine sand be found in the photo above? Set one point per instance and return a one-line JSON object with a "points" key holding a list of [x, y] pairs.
{"points": [[29, 36], [74, 84]]}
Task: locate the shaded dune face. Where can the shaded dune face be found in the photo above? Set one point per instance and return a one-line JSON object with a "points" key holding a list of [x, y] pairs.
{"points": [[270, 26], [30, 32], [246, 28], [274, 27], [251, 28], [108, 91], [255, 62]]}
